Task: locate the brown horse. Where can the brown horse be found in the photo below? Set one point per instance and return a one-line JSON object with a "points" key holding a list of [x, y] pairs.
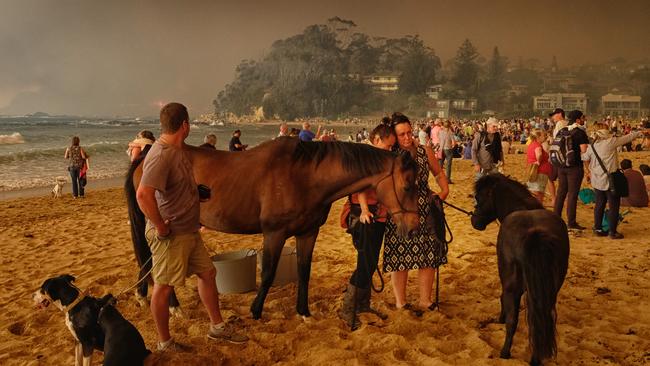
{"points": [[533, 256], [285, 188]]}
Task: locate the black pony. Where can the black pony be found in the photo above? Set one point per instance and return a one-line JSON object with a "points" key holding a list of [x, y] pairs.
{"points": [[533, 256]]}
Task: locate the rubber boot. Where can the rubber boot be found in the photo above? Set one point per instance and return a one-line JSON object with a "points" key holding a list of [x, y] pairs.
{"points": [[363, 303], [348, 310]]}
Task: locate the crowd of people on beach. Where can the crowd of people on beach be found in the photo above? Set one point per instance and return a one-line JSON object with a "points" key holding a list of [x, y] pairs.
{"points": [[559, 150]]}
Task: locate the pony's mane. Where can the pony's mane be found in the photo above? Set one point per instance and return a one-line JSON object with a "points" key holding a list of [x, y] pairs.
{"points": [[360, 158], [518, 191]]}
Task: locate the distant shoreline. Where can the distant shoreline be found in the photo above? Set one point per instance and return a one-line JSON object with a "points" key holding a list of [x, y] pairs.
{"points": [[43, 191]]}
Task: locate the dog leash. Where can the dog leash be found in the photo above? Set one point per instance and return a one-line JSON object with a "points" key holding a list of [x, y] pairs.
{"points": [[145, 276]]}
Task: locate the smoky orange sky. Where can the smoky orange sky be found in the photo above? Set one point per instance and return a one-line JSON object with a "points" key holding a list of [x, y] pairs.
{"points": [[111, 58]]}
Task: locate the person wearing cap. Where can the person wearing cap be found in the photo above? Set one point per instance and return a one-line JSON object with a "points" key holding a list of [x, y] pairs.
{"points": [[570, 177], [235, 143], [557, 116], [487, 151]]}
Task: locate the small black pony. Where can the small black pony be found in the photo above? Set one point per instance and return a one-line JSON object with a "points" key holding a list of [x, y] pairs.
{"points": [[533, 256]]}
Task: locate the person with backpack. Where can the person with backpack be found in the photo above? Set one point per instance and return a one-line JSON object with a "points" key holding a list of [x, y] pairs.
{"points": [[487, 151], [569, 143]]}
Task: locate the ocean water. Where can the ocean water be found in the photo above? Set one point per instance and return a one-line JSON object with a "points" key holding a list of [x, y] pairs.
{"points": [[32, 149]]}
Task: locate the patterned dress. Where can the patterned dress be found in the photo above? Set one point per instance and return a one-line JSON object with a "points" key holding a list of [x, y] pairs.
{"points": [[422, 250]]}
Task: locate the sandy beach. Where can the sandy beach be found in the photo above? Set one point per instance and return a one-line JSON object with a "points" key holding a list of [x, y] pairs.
{"points": [[603, 308]]}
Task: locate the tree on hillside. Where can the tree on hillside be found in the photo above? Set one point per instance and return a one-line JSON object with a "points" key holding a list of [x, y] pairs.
{"points": [[496, 69], [417, 67], [466, 69], [491, 92]]}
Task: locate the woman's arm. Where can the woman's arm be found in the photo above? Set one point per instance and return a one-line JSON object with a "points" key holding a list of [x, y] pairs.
{"points": [[67, 153], [366, 215], [135, 152], [83, 153], [538, 155], [434, 167]]}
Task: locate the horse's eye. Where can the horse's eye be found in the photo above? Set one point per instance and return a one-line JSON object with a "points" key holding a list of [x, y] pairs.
{"points": [[407, 188]]}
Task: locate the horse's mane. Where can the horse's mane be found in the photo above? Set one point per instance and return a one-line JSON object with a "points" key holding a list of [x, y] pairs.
{"points": [[359, 158], [515, 189]]}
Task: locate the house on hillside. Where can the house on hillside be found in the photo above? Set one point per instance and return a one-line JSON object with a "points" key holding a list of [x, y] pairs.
{"points": [[621, 105], [383, 83], [457, 107], [568, 101]]}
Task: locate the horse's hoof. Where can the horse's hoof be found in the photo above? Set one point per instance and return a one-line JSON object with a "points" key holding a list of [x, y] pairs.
{"points": [[176, 312], [306, 318], [505, 355]]}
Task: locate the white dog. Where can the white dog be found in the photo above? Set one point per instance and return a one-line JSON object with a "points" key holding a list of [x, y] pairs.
{"points": [[57, 191]]}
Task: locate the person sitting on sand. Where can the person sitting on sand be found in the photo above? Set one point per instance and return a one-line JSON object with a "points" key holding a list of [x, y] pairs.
{"points": [[645, 170], [422, 251], [638, 195], [144, 139], [367, 237]]}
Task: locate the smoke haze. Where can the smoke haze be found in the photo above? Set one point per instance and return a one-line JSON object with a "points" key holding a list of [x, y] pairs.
{"points": [[127, 57]]}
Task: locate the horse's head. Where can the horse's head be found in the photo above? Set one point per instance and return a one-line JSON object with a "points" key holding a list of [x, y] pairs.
{"points": [[485, 210], [398, 192]]}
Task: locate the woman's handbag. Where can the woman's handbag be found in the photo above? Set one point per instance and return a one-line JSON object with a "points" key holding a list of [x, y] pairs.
{"points": [[617, 181], [532, 173]]}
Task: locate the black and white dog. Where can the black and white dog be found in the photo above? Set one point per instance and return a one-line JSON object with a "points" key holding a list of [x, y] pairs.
{"points": [[94, 323]]}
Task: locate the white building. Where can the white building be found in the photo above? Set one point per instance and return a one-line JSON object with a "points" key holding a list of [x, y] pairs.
{"points": [[568, 101], [621, 105], [384, 83]]}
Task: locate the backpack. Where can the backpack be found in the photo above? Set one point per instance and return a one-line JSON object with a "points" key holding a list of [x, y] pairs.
{"points": [[561, 153]]}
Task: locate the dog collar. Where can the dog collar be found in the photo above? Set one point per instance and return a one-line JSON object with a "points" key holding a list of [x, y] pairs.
{"points": [[81, 296]]}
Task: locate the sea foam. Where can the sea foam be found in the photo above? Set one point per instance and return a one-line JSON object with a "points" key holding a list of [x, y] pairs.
{"points": [[14, 138]]}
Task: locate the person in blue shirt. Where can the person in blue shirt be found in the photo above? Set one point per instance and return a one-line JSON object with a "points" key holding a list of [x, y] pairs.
{"points": [[306, 134]]}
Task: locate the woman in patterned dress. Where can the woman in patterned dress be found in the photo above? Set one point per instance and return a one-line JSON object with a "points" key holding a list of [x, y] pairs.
{"points": [[422, 251]]}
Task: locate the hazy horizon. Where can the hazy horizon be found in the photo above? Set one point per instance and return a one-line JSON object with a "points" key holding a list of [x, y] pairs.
{"points": [[123, 58]]}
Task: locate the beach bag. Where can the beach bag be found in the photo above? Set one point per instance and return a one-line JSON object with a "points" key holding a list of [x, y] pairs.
{"points": [[587, 196], [618, 183], [532, 173], [561, 153]]}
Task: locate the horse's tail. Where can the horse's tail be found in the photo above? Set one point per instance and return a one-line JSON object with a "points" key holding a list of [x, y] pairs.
{"points": [[541, 272], [136, 216]]}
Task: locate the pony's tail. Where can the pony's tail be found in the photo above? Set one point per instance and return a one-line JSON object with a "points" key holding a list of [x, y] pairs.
{"points": [[541, 269], [136, 216]]}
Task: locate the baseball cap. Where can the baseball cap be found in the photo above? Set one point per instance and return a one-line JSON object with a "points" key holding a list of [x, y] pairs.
{"points": [[556, 111], [575, 114]]}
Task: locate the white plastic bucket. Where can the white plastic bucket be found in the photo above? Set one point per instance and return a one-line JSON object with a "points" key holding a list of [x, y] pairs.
{"points": [[287, 271], [235, 271]]}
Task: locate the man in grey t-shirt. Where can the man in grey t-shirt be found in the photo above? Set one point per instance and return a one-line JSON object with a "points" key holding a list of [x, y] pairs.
{"points": [[168, 197]]}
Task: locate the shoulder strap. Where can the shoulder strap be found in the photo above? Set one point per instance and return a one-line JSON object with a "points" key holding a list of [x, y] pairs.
{"points": [[600, 161]]}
